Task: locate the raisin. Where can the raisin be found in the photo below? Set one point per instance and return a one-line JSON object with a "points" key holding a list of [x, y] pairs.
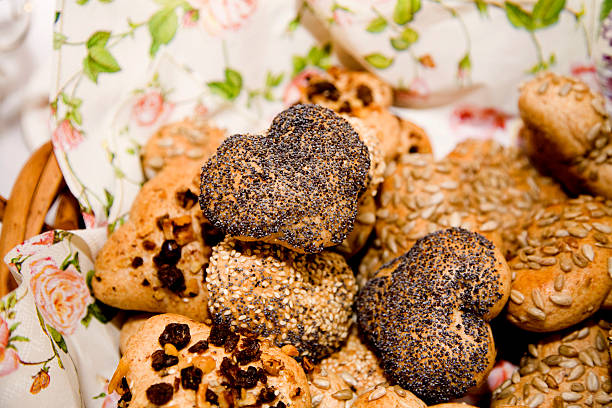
{"points": [[148, 245], [345, 107], [247, 379], [218, 334], [160, 360], [281, 404], [250, 351], [191, 377], [172, 278], [200, 347], [210, 235], [176, 334], [325, 89], [266, 395], [229, 370], [126, 397], [261, 374], [169, 254], [365, 94], [186, 199], [231, 342], [145, 282], [137, 262], [160, 221], [177, 384], [212, 397], [160, 394]]}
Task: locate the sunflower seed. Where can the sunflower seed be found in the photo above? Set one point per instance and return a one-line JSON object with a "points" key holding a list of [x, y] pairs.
{"points": [[543, 368], [598, 105], [583, 333], [566, 265], [560, 233], [561, 299], [195, 153], [579, 260], [539, 384], [535, 400], [569, 396], [516, 377], [606, 385], [551, 382], [552, 360], [600, 341], [595, 356], [558, 402], [602, 398], [399, 391], [567, 351], [156, 162], [316, 400], [343, 394], [543, 87], [592, 382], [593, 132], [586, 359], [559, 282], [489, 226], [507, 392], [349, 379], [577, 387], [528, 369], [610, 267], [568, 363], [537, 299], [576, 373], [536, 313], [512, 400], [587, 251], [517, 297], [577, 231], [377, 393], [533, 350], [565, 89], [321, 383], [604, 228]]}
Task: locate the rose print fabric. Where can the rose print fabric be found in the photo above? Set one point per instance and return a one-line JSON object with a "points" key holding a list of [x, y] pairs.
{"points": [[124, 68]]}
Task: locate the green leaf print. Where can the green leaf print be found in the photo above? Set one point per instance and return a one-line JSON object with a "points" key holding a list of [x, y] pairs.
{"points": [[162, 27], [465, 64], [405, 39], [546, 12], [377, 25], [103, 57], [230, 88], [98, 39], [405, 10], [58, 338], [606, 7], [518, 17], [58, 40], [378, 60], [482, 7]]}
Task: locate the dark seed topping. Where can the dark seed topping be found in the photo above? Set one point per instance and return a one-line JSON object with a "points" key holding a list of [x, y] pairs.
{"points": [[345, 107], [191, 377], [176, 334], [266, 395], [365, 94], [160, 394], [136, 262], [212, 397], [186, 199], [148, 245], [200, 347], [169, 254], [171, 278], [161, 360]]}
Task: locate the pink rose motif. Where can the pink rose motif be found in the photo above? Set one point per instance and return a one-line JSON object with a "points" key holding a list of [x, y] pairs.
{"points": [[296, 87], [200, 110], [89, 219], [417, 91], [500, 373], [66, 137], [468, 121], [149, 108], [342, 17], [44, 239], [62, 296], [9, 360], [220, 15], [190, 18], [587, 73]]}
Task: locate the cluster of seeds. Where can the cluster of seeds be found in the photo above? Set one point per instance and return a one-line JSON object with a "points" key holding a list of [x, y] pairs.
{"points": [[568, 370], [297, 185], [190, 140], [563, 269], [436, 299], [481, 186], [300, 299]]}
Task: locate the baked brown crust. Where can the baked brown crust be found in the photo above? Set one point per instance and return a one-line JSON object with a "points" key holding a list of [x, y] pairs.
{"points": [[562, 268], [300, 299], [297, 186], [423, 307], [388, 396], [566, 369], [155, 262], [567, 132], [130, 327], [198, 361], [362, 228], [190, 140]]}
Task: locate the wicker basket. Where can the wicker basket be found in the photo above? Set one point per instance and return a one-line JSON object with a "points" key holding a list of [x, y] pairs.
{"points": [[39, 184]]}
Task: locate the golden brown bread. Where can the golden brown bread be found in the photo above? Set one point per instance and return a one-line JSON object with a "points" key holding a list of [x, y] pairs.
{"points": [[190, 140], [569, 369], [130, 327], [426, 313], [155, 262], [567, 132], [562, 271], [175, 360], [388, 396]]}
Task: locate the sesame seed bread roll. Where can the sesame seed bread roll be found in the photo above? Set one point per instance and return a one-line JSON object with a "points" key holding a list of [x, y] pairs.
{"points": [[568, 369], [190, 140], [562, 271], [178, 362], [155, 262], [426, 313], [300, 299]]}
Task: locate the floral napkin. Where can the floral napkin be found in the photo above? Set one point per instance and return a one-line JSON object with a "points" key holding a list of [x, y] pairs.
{"points": [[123, 68]]}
